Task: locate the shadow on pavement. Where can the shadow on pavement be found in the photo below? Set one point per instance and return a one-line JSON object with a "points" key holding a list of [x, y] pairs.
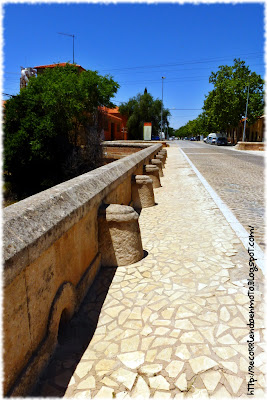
{"points": [[74, 339]]}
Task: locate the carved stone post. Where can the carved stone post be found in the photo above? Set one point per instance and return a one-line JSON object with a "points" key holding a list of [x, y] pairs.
{"points": [[158, 164], [142, 191], [161, 153], [161, 158], [153, 172], [119, 235]]}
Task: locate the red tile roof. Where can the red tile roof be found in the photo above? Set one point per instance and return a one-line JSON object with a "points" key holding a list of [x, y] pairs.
{"points": [[58, 65], [110, 110], [113, 110]]}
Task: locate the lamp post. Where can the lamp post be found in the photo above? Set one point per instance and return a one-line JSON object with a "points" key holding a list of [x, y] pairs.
{"points": [[244, 131], [163, 77]]}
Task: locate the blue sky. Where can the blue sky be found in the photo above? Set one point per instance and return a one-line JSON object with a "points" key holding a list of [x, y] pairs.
{"points": [[137, 44]]}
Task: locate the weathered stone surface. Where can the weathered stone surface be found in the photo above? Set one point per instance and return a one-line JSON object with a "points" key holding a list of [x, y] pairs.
{"points": [[150, 305], [141, 390], [211, 379], [44, 237], [150, 369], [181, 382], [174, 368], [159, 382], [132, 360], [124, 376], [142, 191], [88, 383], [158, 164], [201, 364], [119, 236], [153, 172]]}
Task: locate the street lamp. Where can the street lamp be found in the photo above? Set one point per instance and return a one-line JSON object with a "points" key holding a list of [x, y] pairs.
{"points": [[163, 77], [244, 131]]}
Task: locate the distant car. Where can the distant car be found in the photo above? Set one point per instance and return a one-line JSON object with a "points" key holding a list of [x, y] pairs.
{"points": [[205, 140], [192, 139], [155, 138], [221, 141], [213, 141]]}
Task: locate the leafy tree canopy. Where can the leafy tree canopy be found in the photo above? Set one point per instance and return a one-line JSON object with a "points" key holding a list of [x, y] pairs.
{"points": [[198, 126], [42, 122], [225, 105], [140, 109]]}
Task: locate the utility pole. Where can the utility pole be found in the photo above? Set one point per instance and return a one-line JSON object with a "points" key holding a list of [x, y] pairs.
{"points": [[244, 131], [66, 34], [163, 77]]}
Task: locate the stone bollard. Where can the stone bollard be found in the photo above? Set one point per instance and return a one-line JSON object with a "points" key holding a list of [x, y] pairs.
{"points": [[119, 235], [164, 156], [153, 172], [142, 191], [164, 152], [158, 163], [161, 158]]}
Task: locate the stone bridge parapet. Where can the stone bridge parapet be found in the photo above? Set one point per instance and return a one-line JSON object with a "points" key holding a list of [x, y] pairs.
{"points": [[52, 255]]}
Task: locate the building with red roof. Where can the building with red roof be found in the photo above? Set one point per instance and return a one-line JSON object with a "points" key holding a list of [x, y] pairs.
{"points": [[41, 68], [114, 123]]}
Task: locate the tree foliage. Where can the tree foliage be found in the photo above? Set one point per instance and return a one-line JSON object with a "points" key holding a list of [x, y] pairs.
{"points": [[194, 127], [225, 105], [42, 124], [140, 109]]}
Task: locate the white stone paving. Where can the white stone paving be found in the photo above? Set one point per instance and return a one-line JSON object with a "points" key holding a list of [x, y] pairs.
{"points": [[174, 325]]}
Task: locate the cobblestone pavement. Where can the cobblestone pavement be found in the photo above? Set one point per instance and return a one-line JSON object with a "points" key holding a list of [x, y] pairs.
{"points": [[237, 177], [173, 325]]}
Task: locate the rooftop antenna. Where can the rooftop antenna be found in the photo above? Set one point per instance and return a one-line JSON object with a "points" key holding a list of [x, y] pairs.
{"points": [[66, 34]]}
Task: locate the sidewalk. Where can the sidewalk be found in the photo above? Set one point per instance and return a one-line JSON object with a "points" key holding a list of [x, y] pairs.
{"points": [[253, 152], [173, 325]]}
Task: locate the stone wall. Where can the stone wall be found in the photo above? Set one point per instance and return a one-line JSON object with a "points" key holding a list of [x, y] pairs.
{"points": [[115, 150], [51, 257], [250, 146]]}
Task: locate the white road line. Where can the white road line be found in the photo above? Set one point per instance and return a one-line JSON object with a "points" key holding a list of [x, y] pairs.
{"points": [[240, 231], [211, 154]]}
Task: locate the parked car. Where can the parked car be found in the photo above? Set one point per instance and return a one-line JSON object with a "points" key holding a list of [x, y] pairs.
{"points": [[192, 139], [205, 140], [221, 141], [213, 140], [209, 139], [155, 137]]}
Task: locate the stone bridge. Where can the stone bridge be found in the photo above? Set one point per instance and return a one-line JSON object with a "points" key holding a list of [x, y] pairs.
{"points": [[54, 245]]}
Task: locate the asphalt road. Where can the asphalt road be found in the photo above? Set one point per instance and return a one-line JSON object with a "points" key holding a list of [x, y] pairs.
{"points": [[237, 177]]}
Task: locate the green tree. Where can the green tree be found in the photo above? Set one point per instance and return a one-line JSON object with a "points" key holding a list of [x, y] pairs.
{"points": [[171, 132], [140, 109], [42, 124], [225, 105]]}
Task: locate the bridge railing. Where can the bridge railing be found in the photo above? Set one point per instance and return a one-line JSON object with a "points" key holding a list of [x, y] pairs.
{"points": [[52, 255]]}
